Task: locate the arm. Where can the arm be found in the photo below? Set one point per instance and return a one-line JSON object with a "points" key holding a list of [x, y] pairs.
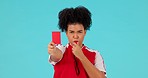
{"points": [[91, 70], [55, 53]]}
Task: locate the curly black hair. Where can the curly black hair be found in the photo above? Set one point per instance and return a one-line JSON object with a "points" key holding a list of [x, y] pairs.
{"points": [[79, 15]]}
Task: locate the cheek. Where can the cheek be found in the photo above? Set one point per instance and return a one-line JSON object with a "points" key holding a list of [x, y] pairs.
{"points": [[70, 38], [81, 38]]}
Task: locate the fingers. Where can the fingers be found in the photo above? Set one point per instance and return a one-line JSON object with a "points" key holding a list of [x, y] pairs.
{"points": [[75, 44], [51, 47], [52, 43]]}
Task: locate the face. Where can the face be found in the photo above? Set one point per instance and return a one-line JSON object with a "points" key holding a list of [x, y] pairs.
{"points": [[75, 33]]}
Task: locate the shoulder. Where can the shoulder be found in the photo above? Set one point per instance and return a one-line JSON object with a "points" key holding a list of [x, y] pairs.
{"points": [[99, 62], [98, 56], [91, 50], [96, 52], [62, 47]]}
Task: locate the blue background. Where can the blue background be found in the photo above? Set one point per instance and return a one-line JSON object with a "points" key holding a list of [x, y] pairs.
{"points": [[119, 31]]}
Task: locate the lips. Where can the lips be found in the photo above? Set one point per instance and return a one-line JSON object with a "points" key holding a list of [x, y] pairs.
{"points": [[76, 42]]}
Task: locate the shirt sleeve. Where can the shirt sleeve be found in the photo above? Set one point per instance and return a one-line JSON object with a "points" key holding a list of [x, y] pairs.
{"points": [[99, 63], [60, 47]]}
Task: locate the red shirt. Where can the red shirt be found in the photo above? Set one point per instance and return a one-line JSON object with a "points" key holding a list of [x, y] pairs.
{"points": [[71, 67]]}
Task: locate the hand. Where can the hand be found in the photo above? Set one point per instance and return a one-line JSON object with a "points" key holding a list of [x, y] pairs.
{"points": [[55, 53], [77, 51], [51, 48]]}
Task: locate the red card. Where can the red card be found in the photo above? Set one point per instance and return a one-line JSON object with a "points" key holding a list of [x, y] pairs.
{"points": [[56, 37]]}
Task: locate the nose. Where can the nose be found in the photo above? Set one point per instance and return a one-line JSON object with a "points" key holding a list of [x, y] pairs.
{"points": [[75, 36]]}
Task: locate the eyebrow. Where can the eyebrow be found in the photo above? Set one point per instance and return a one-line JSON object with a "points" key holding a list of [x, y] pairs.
{"points": [[80, 31], [77, 31]]}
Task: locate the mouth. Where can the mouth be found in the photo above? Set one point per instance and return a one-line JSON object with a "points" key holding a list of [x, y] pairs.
{"points": [[76, 42]]}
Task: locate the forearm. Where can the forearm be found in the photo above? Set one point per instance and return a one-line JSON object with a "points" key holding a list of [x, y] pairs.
{"points": [[91, 70], [56, 56]]}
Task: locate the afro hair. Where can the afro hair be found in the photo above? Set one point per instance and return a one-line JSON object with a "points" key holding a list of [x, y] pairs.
{"points": [[79, 15]]}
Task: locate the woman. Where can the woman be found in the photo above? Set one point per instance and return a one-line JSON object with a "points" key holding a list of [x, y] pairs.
{"points": [[75, 60]]}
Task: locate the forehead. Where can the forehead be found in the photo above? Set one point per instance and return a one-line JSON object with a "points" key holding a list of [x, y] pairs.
{"points": [[75, 27]]}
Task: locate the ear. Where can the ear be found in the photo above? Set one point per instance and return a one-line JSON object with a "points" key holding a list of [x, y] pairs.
{"points": [[66, 33], [85, 32]]}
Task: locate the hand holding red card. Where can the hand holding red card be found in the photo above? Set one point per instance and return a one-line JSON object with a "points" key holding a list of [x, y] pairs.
{"points": [[56, 37]]}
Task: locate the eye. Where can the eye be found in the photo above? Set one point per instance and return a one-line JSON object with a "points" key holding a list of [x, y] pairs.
{"points": [[80, 31], [71, 32]]}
